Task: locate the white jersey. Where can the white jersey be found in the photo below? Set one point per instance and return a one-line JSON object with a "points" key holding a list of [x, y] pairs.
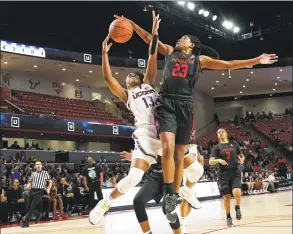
{"points": [[142, 102]]}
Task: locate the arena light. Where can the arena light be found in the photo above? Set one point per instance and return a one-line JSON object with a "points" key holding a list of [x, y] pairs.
{"points": [[271, 95], [236, 29], [64, 69], [276, 83], [206, 13], [116, 73], [63, 84], [190, 6], [90, 71], [251, 72], [227, 24], [212, 88], [244, 86], [201, 11], [281, 70], [240, 92], [223, 74], [274, 89], [247, 80], [77, 80], [35, 66], [215, 18], [5, 62], [278, 77], [181, 3], [235, 98], [217, 81]]}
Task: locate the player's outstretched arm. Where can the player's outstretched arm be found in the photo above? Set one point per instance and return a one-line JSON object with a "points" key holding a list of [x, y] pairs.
{"points": [[215, 64], [164, 49], [112, 83], [151, 71]]}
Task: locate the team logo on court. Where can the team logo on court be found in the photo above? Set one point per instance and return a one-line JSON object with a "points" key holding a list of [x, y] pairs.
{"points": [[15, 122]]}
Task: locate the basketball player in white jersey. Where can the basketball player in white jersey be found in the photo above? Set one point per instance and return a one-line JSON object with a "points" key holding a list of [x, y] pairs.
{"points": [[140, 97], [152, 189]]}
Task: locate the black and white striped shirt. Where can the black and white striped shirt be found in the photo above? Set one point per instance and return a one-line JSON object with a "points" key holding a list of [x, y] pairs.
{"points": [[39, 179]]}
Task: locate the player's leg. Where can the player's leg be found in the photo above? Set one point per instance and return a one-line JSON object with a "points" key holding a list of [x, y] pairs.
{"points": [[138, 167], [193, 171], [226, 187], [174, 225], [236, 190], [166, 117]]}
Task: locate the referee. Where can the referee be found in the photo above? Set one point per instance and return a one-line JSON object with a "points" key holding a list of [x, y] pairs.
{"points": [[37, 184]]}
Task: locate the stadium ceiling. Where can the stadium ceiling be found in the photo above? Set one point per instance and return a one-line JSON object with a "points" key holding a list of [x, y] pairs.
{"points": [[215, 83]]}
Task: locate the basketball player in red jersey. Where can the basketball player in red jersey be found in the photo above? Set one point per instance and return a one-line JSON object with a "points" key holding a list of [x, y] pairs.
{"points": [[175, 113], [228, 155]]}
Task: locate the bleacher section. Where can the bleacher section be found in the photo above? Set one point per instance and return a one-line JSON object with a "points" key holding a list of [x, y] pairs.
{"points": [[236, 133], [276, 128], [65, 108], [127, 114]]}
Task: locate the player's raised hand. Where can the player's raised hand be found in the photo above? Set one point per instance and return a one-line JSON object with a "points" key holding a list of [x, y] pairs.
{"points": [[156, 23], [223, 162], [106, 46], [268, 58], [126, 155], [122, 17]]}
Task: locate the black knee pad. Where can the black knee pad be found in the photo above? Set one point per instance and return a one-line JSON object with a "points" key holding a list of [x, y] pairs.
{"points": [[175, 225], [139, 208]]}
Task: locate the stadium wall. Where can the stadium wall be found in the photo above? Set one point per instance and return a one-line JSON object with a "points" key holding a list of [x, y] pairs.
{"points": [[204, 113], [31, 83], [275, 104]]}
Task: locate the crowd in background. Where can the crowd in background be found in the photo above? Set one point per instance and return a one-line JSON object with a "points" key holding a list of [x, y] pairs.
{"points": [[263, 171]]}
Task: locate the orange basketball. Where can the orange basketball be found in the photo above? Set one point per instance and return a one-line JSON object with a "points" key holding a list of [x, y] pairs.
{"points": [[121, 30]]}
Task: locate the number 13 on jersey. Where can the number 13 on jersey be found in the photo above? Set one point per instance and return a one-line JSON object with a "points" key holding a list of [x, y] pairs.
{"points": [[180, 70]]}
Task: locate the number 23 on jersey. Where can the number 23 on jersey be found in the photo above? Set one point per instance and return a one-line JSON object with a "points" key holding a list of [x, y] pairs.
{"points": [[180, 70]]}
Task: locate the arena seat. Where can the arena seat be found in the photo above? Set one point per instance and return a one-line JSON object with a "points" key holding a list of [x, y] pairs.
{"points": [[66, 108], [282, 127]]}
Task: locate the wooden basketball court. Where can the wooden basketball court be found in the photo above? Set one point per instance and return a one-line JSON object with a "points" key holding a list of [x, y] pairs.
{"points": [[262, 214]]}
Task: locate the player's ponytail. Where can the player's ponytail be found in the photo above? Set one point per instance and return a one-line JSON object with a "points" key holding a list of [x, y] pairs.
{"points": [[200, 49]]}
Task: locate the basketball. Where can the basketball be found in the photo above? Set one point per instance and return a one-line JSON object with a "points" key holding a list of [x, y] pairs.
{"points": [[121, 30]]}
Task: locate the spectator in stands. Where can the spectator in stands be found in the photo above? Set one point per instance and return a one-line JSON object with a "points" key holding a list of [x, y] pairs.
{"points": [[67, 195], [272, 181], [15, 175], [111, 182], [56, 200], [216, 119], [82, 194], [282, 165], [3, 207], [16, 201], [258, 116], [236, 120], [2, 159], [270, 115], [14, 146]]}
